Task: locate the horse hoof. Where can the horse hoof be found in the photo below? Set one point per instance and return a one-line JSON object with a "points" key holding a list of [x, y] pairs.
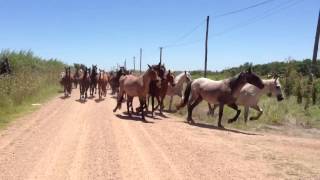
{"points": [[220, 126], [253, 119]]}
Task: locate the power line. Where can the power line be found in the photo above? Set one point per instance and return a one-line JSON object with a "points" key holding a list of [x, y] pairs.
{"points": [[186, 34], [267, 13], [242, 9]]}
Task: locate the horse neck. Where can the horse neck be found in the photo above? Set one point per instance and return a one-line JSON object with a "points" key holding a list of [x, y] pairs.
{"points": [[146, 79], [180, 80], [235, 85]]}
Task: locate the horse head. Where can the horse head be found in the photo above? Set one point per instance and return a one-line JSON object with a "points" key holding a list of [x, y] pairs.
{"points": [[170, 78], [275, 87], [152, 72]]}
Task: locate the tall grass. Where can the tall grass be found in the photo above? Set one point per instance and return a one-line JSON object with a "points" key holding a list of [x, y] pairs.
{"points": [[32, 79]]}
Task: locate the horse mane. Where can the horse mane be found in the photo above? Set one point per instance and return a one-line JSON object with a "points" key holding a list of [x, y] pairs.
{"points": [[234, 82]]}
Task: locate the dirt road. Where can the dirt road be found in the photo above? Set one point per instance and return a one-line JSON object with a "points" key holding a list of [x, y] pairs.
{"points": [[66, 139]]}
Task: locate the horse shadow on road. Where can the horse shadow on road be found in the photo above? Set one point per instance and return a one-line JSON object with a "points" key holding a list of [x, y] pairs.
{"points": [[99, 100], [82, 101], [132, 118], [64, 97], [209, 126]]}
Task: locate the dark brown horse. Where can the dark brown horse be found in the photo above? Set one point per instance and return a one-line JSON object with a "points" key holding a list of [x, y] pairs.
{"points": [[66, 81], [114, 79], [159, 92], [5, 67], [84, 83], [224, 92], [158, 89], [93, 80]]}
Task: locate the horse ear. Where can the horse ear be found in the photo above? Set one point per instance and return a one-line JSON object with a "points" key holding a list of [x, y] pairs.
{"points": [[185, 72], [159, 63], [149, 66]]}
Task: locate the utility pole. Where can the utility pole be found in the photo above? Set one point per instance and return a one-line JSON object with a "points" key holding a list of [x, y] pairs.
{"points": [[140, 58], [206, 49], [134, 63], [316, 43], [125, 63], [161, 55]]}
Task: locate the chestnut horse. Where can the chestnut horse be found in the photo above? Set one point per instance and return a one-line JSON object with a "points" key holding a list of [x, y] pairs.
{"points": [[102, 83], [224, 92], [136, 86]]}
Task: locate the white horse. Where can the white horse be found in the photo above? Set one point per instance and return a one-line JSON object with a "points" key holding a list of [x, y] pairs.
{"points": [[176, 90], [250, 95]]}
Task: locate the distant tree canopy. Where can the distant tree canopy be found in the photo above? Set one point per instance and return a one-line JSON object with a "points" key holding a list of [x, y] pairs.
{"points": [[302, 67]]}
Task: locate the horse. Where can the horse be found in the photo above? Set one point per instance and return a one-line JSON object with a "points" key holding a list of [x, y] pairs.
{"points": [[223, 92], [84, 83], [159, 92], [5, 67], [76, 77], [102, 83], [250, 95], [136, 86], [114, 79], [93, 80], [179, 80], [66, 81]]}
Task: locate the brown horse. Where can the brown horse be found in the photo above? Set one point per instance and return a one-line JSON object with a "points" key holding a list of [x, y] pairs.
{"points": [[159, 92], [136, 86], [102, 83], [84, 84], [66, 81], [224, 92]]}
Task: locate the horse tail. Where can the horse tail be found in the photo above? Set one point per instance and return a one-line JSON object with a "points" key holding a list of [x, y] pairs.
{"points": [[186, 96]]}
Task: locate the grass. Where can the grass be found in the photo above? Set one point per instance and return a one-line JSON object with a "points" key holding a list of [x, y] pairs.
{"points": [[10, 113]]}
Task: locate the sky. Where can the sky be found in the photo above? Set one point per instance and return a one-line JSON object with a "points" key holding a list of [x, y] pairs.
{"points": [[107, 32]]}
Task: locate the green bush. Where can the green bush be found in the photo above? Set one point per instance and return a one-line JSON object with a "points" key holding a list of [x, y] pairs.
{"points": [[30, 76]]}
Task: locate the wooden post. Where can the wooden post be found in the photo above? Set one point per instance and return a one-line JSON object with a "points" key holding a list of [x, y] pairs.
{"points": [[206, 48], [134, 63], [160, 55], [316, 43], [140, 58], [125, 63]]}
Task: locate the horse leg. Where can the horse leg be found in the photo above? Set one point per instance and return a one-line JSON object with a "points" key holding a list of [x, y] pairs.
{"points": [[142, 102], [129, 102], [246, 114], [260, 112], [170, 103], [152, 106], [235, 107], [221, 106], [210, 111], [191, 107]]}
